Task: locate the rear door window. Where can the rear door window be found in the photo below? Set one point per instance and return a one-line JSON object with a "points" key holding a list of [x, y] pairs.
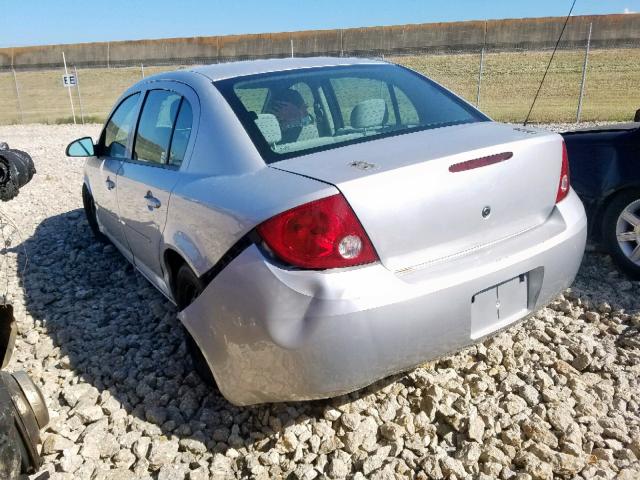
{"points": [[155, 128], [181, 134]]}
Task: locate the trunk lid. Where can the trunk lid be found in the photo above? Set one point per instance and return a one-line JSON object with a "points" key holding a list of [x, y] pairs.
{"points": [[416, 211]]}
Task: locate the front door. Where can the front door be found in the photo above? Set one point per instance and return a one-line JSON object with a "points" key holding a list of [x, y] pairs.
{"points": [[102, 170], [146, 180]]}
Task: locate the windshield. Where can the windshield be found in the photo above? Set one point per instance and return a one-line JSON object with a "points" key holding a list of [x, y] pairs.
{"points": [[296, 112]]}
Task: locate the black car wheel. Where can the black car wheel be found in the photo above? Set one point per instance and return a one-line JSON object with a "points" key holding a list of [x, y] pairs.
{"points": [[187, 288], [621, 231], [90, 213]]}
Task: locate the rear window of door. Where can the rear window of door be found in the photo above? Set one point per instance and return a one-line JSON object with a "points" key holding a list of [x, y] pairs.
{"points": [[181, 133], [119, 127], [164, 129], [155, 128]]}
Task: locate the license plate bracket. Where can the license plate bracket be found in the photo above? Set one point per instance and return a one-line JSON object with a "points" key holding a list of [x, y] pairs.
{"points": [[498, 306]]}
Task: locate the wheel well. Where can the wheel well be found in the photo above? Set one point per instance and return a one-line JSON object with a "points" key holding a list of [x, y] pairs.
{"points": [[173, 261], [86, 186]]}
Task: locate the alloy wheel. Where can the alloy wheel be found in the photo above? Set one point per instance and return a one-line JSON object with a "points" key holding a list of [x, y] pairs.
{"points": [[628, 231]]}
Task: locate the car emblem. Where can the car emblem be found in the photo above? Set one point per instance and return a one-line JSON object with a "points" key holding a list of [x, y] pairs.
{"points": [[360, 165], [486, 211], [525, 130]]}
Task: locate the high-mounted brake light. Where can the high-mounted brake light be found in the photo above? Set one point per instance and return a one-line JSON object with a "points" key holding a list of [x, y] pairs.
{"points": [[318, 235], [480, 162], [564, 185]]}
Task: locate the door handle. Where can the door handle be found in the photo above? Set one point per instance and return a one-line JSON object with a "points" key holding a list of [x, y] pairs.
{"points": [[110, 184], [152, 202]]}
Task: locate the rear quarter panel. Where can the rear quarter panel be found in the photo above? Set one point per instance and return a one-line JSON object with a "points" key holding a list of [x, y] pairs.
{"points": [[209, 214]]}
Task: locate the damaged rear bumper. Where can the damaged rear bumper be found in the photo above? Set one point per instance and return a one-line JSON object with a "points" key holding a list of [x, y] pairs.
{"points": [[271, 334]]}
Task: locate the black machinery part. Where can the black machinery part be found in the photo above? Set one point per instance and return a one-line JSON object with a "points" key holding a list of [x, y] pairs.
{"points": [[16, 170]]}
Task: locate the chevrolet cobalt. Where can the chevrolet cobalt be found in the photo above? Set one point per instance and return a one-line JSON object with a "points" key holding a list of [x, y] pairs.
{"points": [[322, 223]]}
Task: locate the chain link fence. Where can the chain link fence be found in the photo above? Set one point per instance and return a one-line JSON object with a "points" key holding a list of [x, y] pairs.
{"points": [[502, 83]]}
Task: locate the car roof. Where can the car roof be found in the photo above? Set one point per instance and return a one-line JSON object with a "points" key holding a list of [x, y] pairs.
{"points": [[221, 71]]}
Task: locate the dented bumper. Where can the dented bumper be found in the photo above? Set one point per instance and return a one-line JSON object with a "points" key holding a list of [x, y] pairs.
{"points": [[271, 334]]}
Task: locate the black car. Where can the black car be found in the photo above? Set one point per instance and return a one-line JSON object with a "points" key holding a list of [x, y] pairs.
{"points": [[605, 172]]}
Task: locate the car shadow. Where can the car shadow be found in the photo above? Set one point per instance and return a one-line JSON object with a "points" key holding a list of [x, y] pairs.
{"points": [[119, 334]]}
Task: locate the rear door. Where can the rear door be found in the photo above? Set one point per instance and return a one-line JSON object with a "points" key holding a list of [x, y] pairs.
{"points": [[162, 141], [113, 148]]}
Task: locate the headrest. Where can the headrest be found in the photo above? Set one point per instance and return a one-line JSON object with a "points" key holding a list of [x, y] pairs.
{"points": [[269, 126], [288, 95], [369, 113]]}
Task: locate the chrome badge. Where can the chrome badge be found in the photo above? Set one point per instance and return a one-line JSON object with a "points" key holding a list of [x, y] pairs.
{"points": [[360, 165]]}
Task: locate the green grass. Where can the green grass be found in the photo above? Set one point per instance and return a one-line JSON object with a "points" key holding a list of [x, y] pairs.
{"points": [[509, 84], [510, 81], [45, 100]]}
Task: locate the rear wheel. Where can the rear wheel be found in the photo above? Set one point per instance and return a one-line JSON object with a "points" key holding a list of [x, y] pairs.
{"points": [[90, 213], [187, 288], [621, 231]]}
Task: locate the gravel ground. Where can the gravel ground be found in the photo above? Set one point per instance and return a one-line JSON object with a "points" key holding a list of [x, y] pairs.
{"points": [[556, 396]]}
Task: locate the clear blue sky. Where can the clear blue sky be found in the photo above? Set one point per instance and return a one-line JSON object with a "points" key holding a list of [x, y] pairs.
{"points": [[37, 22]]}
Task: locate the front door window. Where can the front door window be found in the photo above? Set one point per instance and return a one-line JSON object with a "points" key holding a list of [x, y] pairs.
{"points": [[119, 127]]}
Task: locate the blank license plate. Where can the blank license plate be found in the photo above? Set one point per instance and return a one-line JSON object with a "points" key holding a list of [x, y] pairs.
{"points": [[498, 306]]}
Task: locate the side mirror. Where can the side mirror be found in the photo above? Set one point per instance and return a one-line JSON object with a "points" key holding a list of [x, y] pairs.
{"points": [[82, 147], [637, 117]]}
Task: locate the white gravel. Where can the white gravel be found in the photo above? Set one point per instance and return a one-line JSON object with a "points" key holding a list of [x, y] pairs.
{"points": [[556, 396]]}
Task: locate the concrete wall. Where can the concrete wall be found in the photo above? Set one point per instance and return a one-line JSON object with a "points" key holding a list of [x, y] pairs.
{"points": [[608, 31], [529, 33]]}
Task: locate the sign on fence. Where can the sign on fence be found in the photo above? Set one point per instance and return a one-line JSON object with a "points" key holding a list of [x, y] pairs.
{"points": [[69, 81]]}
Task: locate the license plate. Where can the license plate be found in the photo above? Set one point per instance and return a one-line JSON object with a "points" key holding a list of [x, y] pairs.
{"points": [[498, 306]]}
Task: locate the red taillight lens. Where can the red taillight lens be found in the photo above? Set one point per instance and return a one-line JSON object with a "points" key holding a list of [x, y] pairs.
{"points": [[321, 234], [564, 185]]}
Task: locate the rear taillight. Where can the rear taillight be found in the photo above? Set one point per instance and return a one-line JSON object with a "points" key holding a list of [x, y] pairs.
{"points": [[564, 186], [321, 234]]}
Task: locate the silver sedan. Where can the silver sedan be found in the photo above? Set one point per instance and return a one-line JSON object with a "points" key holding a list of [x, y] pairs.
{"points": [[322, 223]]}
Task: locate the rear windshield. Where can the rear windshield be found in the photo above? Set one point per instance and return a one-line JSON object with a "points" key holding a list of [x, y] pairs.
{"points": [[297, 112]]}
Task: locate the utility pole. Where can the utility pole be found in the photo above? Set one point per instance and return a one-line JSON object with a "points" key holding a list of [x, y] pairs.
{"points": [[480, 77], [75, 72], [584, 75], [481, 69], [66, 72], [15, 80]]}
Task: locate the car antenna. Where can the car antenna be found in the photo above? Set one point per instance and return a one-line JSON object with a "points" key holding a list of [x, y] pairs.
{"points": [[526, 120]]}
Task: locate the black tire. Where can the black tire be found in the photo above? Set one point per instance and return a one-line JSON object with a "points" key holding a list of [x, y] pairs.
{"points": [[620, 254], [90, 213], [187, 288]]}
